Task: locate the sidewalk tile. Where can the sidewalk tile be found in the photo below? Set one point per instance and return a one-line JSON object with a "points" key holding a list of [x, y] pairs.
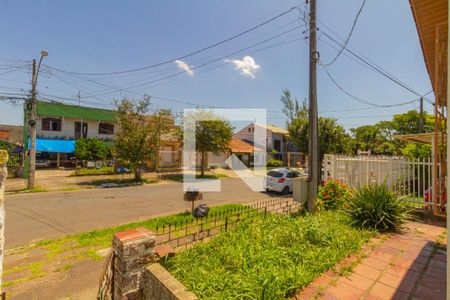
{"points": [[367, 271], [383, 291], [345, 291], [437, 284], [375, 263], [358, 281], [424, 292], [397, 282]]}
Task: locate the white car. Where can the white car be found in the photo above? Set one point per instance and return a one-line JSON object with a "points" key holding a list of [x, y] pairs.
{"points": [[280, 180]]}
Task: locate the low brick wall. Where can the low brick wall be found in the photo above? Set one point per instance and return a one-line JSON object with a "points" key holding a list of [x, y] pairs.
{"points": [[159, 284]]}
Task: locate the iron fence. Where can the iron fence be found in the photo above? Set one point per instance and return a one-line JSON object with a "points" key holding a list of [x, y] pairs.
{"points": [[183, 234]]}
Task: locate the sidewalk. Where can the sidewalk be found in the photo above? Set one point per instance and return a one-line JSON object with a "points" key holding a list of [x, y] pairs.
{"points": [[411, 265]]}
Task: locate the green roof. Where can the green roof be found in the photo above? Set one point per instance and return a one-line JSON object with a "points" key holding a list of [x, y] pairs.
{"points": [[56, 109]]}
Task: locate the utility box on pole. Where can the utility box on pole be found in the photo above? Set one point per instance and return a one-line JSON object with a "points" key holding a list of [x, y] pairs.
{"points": [[300, 187]]}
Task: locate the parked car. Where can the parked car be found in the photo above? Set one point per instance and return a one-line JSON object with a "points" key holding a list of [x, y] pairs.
{"points": [[280, 180]]}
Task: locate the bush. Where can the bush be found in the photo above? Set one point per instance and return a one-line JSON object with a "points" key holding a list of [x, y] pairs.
{"points": [[91, 149], [376, 206], [275, 163], [333, 194]]}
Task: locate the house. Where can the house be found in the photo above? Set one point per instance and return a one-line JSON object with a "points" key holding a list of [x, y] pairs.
{"points": [[431, 19], [278, 143], [59, 125], [11, 134]]}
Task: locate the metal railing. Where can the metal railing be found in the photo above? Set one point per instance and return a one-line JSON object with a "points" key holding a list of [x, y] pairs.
{"points": [[183, 234]]}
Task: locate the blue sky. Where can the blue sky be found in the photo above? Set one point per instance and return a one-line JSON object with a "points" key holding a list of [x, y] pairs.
{"points": [[107, 36]]}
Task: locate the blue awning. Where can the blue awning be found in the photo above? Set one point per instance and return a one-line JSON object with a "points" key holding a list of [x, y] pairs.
{"points": [[61, 146]]}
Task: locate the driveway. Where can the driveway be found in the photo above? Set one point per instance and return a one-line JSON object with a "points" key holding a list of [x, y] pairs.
{"points": [[34, 217]]}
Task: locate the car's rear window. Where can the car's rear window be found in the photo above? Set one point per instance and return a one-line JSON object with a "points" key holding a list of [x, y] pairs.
{"points": [[275, 174]]}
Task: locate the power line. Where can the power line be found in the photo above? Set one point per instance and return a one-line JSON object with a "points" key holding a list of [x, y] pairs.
{"points": [[349, 35], [191, 53], [360, 99]]}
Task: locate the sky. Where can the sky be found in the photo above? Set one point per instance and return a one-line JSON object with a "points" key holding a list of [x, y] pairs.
{"points": [[247, 72]]}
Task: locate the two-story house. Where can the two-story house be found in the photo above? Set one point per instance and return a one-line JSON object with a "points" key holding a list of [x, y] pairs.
{"points": [[59, 125], [277, 140]]}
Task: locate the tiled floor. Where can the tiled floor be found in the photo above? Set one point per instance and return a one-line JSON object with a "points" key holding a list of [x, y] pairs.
{"points": [[411, 265]]}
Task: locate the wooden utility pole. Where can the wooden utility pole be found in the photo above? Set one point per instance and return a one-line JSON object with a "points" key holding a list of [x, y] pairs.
{"points": [[421, 119], [32, 126], [314, 165]]}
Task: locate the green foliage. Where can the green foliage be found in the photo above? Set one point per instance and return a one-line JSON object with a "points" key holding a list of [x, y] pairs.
{"points": [[212, 134], [13, 163], [417, 150], [376, 206], [275, 163], [91, 149], [333, 194], [93, 171], [379, 138], [268, 259], [139, 138], [332, 136]]}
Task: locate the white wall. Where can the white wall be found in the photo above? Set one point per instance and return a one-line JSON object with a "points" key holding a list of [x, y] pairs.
{"points": [[68, 129]]}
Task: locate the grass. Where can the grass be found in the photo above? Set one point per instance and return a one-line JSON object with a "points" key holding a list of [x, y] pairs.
{"points": [[87, 244], [36, 189], [123, 182], [93, 171], [179, 177], [271, 259]]}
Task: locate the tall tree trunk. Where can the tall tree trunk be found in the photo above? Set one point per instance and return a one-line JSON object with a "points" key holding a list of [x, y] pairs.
{"points": [[3, 175], [202, 164]]}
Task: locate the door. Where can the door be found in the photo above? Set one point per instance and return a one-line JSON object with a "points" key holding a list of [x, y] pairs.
{"points": [[81, 130]]}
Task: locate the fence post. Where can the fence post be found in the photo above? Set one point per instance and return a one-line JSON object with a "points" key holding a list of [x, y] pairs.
{"points": [[3, 174], [226, 223]]}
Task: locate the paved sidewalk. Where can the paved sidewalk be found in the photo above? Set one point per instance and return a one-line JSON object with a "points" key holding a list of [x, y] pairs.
{"points": [[411, 265]]}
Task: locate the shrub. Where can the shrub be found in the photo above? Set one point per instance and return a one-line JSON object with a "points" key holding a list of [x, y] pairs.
{"points": [[275, 163], [378, 207], [91, 149], [333, 194]]}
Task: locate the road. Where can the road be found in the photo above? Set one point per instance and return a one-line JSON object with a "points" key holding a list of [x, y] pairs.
{"points": [[34, 217]]}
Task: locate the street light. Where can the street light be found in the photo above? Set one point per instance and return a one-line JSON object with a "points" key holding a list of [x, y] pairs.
{"points": [[32, 121]]}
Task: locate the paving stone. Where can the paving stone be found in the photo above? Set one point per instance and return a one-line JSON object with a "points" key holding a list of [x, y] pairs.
{"points": [[397, 282], [358, 281], [375, 263], [424, 292], [383, 291], [345, 291], [367, 271]]}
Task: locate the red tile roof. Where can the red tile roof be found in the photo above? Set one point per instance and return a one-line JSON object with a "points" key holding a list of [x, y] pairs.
{"points": [[240, 146]]}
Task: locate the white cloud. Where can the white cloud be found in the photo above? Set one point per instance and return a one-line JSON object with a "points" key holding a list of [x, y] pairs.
{"points": [[246, 66], [185, 67]]}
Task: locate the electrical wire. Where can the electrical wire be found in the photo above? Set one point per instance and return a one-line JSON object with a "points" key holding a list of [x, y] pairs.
{"points": [[191, 53], [348, 36]]}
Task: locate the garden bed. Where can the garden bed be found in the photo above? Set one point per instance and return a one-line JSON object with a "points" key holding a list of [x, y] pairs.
{"points": [[270, 259]]}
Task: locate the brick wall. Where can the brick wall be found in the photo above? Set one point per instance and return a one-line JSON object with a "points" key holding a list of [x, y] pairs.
{"points": [[158, 283]]}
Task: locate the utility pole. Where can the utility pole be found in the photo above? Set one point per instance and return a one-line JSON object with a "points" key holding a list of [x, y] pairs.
{"points": [[32, 121], [314, 165], [421, 119], [32, 126]]}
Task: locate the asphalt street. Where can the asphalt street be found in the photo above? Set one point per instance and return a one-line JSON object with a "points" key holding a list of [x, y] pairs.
{"points": [[34, 217]]}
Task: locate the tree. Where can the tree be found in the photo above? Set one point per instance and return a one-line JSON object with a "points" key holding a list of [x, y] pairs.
{"points": [[91, 149], [139, 136], [212, 134], [332, 136]]}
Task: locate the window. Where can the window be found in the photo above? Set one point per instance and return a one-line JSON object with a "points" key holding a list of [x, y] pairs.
{"points": [[106, 128], [277, 145], [51, 124], [275, 174], [249, 129]]}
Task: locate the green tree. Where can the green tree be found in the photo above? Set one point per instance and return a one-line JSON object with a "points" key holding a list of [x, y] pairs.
{"points": [[139, 136], [212, 134], [91, 149], [332, 136]]}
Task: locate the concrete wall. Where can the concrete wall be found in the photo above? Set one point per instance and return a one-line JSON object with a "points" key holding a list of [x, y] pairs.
{"points": [[158, 283]]}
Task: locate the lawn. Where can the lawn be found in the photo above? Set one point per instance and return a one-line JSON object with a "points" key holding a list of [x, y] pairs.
{"points": [[93, 171], [68, 250], [270, 259]]}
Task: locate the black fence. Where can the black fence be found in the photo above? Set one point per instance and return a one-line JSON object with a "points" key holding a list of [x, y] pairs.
{"points": [[183, 234]]}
